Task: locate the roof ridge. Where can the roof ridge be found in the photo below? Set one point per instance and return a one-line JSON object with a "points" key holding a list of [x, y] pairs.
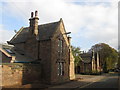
{"points": [[49, 23], [43, 24]]}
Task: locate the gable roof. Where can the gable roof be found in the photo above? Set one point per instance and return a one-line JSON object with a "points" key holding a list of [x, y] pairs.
{"points": [[86, 57], [46, 31]]}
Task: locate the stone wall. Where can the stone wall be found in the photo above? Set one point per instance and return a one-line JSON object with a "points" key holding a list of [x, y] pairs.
{"points": [[45, 59], [55, 57], [85, 68], [5, 59], [19, 74], [31, 48]]}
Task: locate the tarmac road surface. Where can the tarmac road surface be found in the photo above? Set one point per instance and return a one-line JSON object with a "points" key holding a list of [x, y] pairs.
{"points": [[111, 81]]}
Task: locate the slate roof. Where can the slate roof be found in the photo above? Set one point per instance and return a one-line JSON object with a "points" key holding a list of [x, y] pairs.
{"points": [[22, 58], [86, 57], [46, 31], [9, 51]]}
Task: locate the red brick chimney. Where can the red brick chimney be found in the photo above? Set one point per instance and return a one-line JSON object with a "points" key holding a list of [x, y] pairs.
{"points": [[34, 23]]}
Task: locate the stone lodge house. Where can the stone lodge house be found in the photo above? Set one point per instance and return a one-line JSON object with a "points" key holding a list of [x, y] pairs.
{"points": [[89, 64], [47, 44]]}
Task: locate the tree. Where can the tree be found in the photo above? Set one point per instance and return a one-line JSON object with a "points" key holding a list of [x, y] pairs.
{"points": [[76, 53], [118, 65], [108, 55]]}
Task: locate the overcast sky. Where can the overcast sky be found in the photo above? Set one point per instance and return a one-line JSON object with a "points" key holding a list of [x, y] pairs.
{"points": [[89, 21]]}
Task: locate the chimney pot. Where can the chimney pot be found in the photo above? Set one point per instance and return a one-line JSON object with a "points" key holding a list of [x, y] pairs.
{"points": [[32, 14], [36, 13]]}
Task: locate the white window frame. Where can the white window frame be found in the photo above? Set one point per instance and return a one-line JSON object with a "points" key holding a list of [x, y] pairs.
{"points": [[60, 69]]}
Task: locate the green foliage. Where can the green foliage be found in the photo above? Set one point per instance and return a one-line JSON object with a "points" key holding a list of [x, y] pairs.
{"points": [[108, 55], [76, 54], [119, 59]]}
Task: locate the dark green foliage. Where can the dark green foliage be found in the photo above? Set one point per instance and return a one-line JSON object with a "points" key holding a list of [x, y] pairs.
{"points": [[76, 54], [118, 65], [108, 55]]}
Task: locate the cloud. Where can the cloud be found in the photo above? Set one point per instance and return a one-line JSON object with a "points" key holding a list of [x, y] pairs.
{"points": [[96, 22], [5, 35]]}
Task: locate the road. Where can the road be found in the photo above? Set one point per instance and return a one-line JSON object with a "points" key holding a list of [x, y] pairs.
{"points": [[107, 81], [111, 81]]}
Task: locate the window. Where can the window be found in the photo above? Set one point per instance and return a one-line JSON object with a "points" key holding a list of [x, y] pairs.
{"points": [[60, 69], [9, 51], [60, 47], [60, 61]]}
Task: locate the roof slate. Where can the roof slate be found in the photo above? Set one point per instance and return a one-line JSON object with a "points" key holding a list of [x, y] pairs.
{"points": [[46, 31], [18, 56], [86, 57]]}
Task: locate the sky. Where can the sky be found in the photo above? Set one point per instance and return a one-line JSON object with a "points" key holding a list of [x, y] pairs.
{"points": [[89, 21]]}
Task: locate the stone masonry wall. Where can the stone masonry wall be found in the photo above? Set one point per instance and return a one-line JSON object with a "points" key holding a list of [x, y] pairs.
{"points": [[5, 58], [55, 78], [18, 74], [45, 58], [31, 49]]}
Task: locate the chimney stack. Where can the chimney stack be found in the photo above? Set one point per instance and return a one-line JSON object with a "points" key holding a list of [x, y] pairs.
{"points": [[31, 20], [32, 14], [34, 23], [36, 13], [69, 39]]}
